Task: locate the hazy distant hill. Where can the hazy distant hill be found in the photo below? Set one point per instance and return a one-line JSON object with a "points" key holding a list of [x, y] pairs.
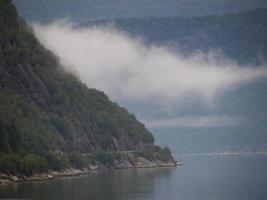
{"points": [[84, 10], [242, 37]]}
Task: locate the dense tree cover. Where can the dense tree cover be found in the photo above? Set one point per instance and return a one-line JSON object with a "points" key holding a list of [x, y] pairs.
{"points": [[43, 108], [57, 162], [106, 158], [31, 164], [156, 153]]}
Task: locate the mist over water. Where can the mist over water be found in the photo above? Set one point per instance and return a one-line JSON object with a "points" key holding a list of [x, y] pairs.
{"points": [[204, 102], [182, 91]]}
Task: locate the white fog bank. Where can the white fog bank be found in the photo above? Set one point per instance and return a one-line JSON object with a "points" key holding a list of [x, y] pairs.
{"points": [[128, 70]]}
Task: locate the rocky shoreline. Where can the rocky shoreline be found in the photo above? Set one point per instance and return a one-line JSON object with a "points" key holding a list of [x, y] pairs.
{"points": [[125, 164]]}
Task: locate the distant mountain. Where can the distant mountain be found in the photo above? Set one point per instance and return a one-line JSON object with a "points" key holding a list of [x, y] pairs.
{"points": [[84, 10], [216, 140], [242, 37]]}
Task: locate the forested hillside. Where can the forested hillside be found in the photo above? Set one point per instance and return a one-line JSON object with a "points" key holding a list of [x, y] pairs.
{"points": [[45, 109]]}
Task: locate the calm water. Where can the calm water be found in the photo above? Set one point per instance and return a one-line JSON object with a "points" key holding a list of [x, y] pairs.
{"points": [[200, 178]]}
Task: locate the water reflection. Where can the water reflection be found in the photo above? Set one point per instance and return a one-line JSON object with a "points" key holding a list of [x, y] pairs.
{"points": [[119, 184], [200, 178]]}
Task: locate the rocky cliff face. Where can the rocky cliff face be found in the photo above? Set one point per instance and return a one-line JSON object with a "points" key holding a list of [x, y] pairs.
{"points": [[43, 108]]}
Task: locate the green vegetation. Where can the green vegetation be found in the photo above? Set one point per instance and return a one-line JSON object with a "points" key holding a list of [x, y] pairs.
{"points": [[10, 164], [78, 161], [156, 153], [57, 162], [45, 109], [106, 158], [29, 165], [33, 164]]}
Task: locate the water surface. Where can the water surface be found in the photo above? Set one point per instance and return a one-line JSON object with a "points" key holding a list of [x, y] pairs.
{"points": [[200, 178]]}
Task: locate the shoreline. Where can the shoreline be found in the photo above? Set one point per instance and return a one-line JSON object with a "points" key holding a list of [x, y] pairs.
{"points": [[72, 172]]}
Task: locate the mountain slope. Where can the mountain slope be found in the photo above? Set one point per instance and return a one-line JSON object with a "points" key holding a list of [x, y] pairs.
{"points": [[43, 108]]}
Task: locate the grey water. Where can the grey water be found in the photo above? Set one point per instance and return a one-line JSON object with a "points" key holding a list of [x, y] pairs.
{"points": [[220, 177]]}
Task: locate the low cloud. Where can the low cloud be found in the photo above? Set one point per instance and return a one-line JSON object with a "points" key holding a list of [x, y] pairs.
{"points": [[198, 122], [128, 70]]}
